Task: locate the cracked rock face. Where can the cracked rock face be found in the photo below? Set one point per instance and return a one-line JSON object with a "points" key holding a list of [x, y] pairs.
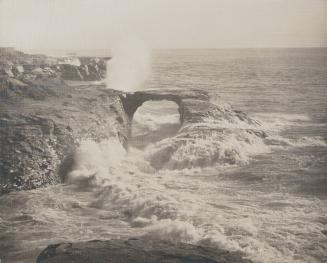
{"points": [[28, 68], [136, 251], [42, 120], [39, 136]]}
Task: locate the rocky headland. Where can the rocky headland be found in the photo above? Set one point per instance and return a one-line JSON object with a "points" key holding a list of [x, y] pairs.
{"points": [[43, 120], [17, 67]]}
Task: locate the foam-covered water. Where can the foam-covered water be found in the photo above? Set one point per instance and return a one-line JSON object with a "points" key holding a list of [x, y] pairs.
{"points": [[261, 192]]}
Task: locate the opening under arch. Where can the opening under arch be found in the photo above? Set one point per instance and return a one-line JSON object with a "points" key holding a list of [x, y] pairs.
{"points": [[154, 121]]}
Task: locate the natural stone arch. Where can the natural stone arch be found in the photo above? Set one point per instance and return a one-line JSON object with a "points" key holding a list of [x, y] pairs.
{"points": [[193, 105], [131, 102]]}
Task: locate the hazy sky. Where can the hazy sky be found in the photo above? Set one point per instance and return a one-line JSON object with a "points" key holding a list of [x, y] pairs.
{"points": [[163, 23]]}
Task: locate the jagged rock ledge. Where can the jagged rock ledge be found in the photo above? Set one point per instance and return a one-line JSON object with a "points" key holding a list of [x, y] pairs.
{"points": [[28, 68], [41, 126], [136, 251], [43, 120]]}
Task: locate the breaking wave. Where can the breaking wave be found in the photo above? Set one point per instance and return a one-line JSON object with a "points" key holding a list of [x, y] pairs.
{"points": [[146, 189], [149, 123]]}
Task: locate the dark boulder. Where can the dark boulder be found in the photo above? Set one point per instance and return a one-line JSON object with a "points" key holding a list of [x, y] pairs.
{"points": [[136, 251]]}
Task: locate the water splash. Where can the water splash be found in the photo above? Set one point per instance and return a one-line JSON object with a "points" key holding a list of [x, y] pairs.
{"points": [[94, 160], [130, 65]]}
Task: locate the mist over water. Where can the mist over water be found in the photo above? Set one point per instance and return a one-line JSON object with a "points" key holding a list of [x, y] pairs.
{"points": [[130, 65], [265, 197]]}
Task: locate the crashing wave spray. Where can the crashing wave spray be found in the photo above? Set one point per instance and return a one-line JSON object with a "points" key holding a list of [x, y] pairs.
{"points": [[130, 65], [92, 161]]}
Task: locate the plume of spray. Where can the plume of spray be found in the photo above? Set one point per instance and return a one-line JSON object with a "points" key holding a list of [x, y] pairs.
{"points": [[130, 65]]}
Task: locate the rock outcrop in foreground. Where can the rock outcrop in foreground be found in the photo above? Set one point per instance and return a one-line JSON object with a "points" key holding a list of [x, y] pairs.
{"points": [[135, 251]]}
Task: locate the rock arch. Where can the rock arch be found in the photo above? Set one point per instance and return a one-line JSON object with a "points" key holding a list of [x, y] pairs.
{"points": [[187, 100], [131, 102]]}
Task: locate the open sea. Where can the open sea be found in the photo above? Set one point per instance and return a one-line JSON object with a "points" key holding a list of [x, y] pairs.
{"points": [[271, 204]]}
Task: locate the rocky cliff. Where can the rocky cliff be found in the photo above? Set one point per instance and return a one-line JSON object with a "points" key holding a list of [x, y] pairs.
{"points": [[42, 121], [30, 67], [40, 127]]}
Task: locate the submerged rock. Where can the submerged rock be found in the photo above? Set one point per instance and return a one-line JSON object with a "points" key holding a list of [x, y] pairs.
{"points": [[136, 251]]}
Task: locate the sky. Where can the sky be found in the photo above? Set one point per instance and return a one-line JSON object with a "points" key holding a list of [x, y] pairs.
{"points": [[89, 24]]}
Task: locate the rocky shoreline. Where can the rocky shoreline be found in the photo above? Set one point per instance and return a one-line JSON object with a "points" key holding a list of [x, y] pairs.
{"points": [[27, 68], [43, 120], [38, 137]]}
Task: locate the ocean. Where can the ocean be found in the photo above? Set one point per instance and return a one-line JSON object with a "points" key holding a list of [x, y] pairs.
{"points": [[271, 203]]}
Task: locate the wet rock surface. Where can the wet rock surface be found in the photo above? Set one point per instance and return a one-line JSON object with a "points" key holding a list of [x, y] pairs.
{"points": [[29, 68], [39, 136], [212, 131], [41, 126], [131, 101], [43, 120], [136, 251]]}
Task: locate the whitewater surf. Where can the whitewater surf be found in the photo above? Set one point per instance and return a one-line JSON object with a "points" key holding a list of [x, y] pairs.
{"points": [[234, 172]]}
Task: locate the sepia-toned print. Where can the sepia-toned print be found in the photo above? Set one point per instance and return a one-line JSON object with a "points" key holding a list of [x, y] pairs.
{"points": [[163, 131]]}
